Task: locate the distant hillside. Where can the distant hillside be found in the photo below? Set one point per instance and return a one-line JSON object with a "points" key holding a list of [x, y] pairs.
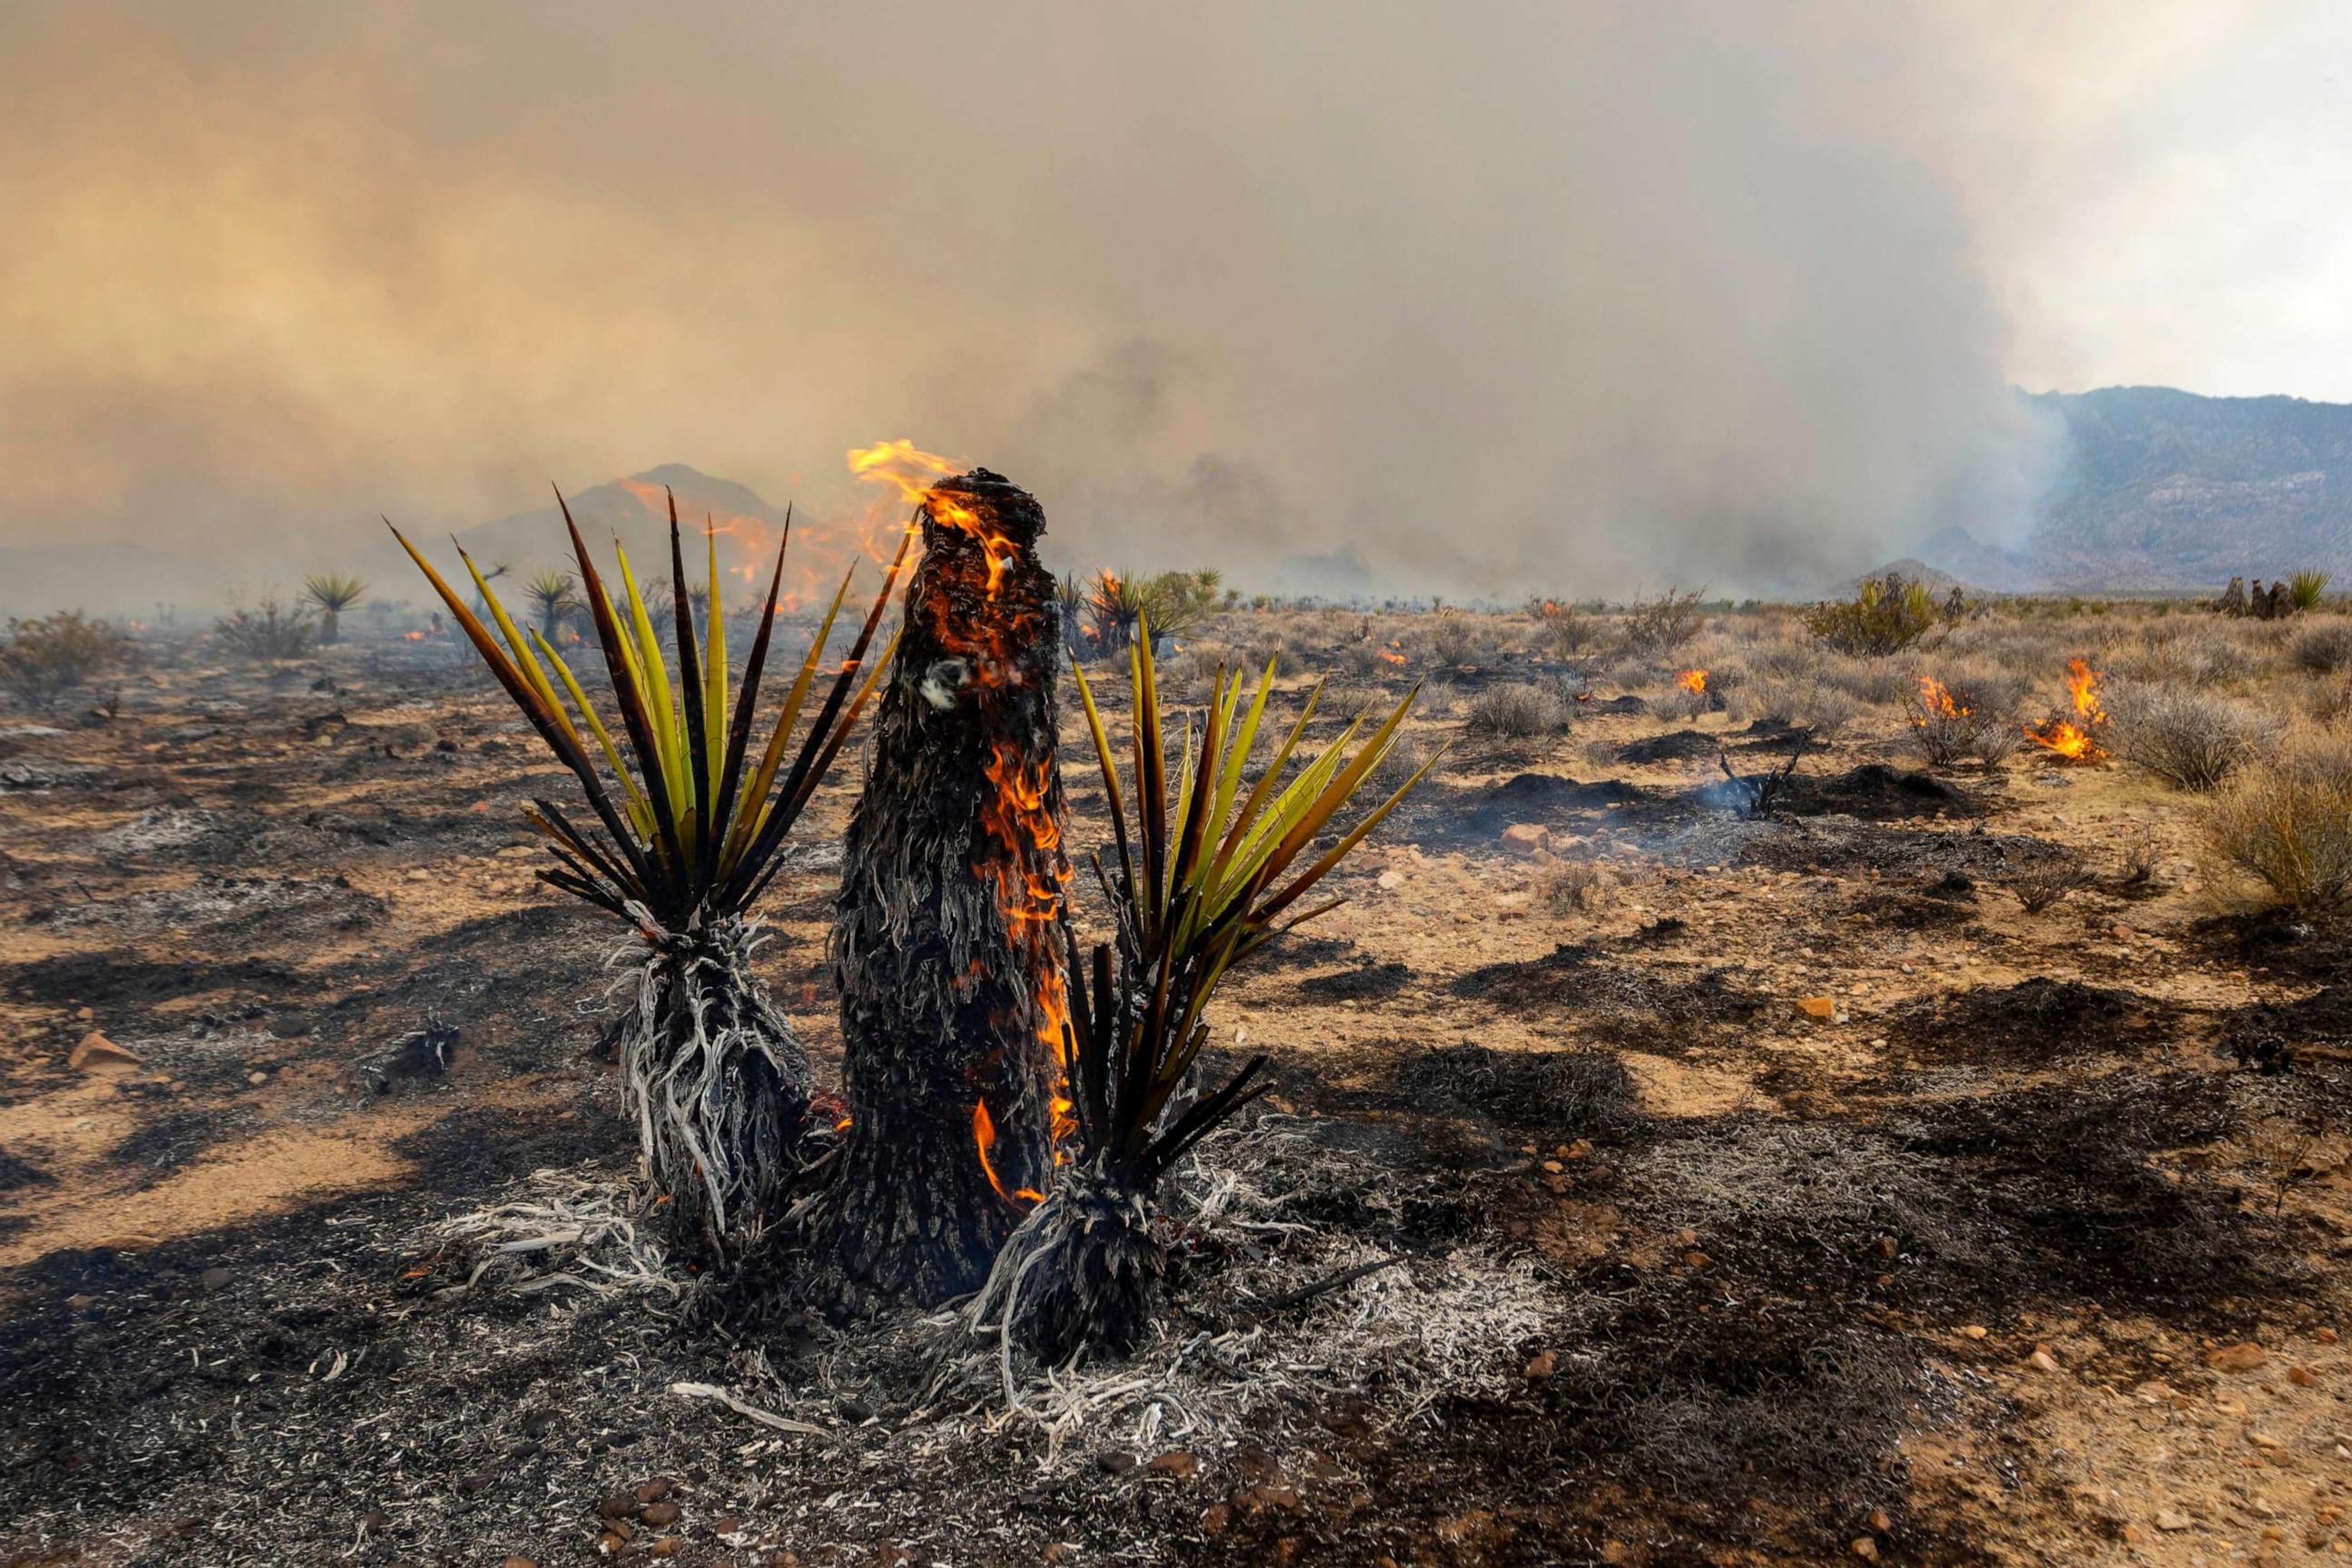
{"points": [[632, 510], [2159, 489]]}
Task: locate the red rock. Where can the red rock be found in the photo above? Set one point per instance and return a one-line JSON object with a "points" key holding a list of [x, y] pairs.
{"points": [[1527, 837], [1176, 1463], [653, 1491], [98, 1054], [1817, 1006], [1540, 1365], [659, 1515], [2243, 1357]]}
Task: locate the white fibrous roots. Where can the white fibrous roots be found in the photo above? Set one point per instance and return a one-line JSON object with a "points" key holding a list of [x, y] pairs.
{"points": [[715, 1080], [1081, 1273]]}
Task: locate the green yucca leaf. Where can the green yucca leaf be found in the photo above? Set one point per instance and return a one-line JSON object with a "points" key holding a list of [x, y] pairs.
{"points": [[1195, 893], [690, 837]]}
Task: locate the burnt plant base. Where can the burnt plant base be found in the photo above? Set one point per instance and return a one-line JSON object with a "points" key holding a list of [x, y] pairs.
{"points": [[1082, 1275]]}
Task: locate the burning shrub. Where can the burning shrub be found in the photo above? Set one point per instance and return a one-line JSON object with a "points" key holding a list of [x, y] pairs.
{"points": [[1515, 713], [1975, 716], [2325, 649], [1688, 697], [1885, 616], [273, 631], [45, 659], [2073, 736], [677, 849], [1199, 883], [2288, 820], [1662, 625], [1566, 630], [2187, 739], [1173, 602]]}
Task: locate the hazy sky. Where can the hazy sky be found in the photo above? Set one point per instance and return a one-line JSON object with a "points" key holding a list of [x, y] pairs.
{"points": [[1492, 295]]}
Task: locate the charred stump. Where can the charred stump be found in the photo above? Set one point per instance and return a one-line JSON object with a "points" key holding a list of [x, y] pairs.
{"points": [[944, 943]]}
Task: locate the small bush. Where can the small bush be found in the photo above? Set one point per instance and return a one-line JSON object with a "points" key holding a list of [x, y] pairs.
{"points": [[2047, 884], [2323, 648], [1972, 717], [2287, 821], [274, 631], [45, 659], [2188, 738], [2305, 589], [1665, 623], [1515, 713], [1886, 615], [1454, 642], [1806, 703], [1571, 886], [1566, 630]]}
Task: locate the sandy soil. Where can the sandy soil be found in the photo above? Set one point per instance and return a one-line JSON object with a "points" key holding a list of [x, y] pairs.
{"points": [[1974, 1203]]}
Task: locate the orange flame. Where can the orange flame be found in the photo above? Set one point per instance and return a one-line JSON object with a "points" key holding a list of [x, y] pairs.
{"points": [[415, 636], [2072, 738], [1693, 681], [1391, 656], [912, 474], [1936, 702]]}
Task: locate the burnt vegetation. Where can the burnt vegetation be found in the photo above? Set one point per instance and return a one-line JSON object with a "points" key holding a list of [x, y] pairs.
{"points": [[1628, 1163]]}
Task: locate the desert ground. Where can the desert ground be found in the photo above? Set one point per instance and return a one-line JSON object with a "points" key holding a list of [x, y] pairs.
{"points": [[1649, 1180]]}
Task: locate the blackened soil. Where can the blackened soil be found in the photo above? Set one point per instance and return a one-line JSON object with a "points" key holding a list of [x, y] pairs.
{"points": [[2033, 1023], [1876, 793]]}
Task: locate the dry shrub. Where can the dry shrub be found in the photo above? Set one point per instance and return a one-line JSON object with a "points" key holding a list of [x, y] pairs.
{"points": [[1974, 715], [2045, 884], [1572, 887], [1664, 623], [1805, 702], [2188, 738], [1564, 629], [1873, 682], [1452, 641], [2186, 653], [1400, 763], [2327, 699], [273, 630], [2325, 649], [1515, 713], [46, 658], [2288, 820]]}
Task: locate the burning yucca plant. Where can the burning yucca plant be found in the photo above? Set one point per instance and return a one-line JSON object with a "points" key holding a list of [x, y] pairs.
{"points": [[1204, 875], [684, 835]]}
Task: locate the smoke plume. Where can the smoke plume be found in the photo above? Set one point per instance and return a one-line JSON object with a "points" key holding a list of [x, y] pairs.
{"points": [[1474, 298]]}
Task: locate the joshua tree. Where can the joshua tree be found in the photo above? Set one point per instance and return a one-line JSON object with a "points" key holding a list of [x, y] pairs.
{"points": [[1200, 877], [333, 593], [710, 1072], [551, 599]]}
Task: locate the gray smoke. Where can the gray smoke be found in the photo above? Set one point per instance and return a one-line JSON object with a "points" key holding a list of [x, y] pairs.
{"points": [[1484, 298]]}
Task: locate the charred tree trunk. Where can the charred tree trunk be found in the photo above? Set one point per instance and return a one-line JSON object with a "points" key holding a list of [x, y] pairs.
{"points": [[944, 941]]}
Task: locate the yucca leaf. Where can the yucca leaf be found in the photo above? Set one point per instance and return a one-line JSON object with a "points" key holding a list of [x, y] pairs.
{"points": [[661, 703], [739, 733], [694, 752], [1109, 771], [640, 814], [764, 777], [629, 696]]}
